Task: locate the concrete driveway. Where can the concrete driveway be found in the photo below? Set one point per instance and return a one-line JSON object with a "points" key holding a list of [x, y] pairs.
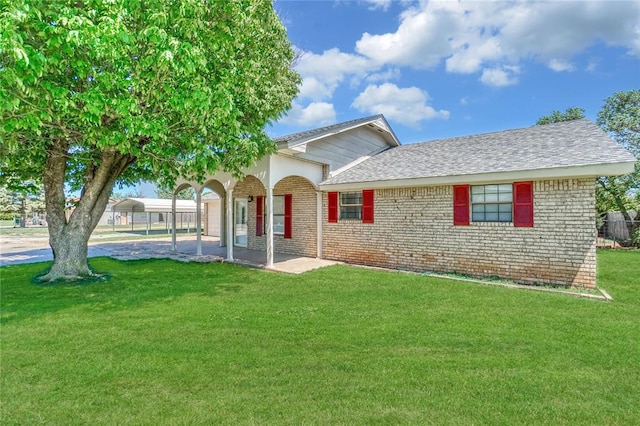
{"points": [[29, 250]]}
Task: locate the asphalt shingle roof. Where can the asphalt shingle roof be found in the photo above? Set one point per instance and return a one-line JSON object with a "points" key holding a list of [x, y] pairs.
{"points": [[565, 144]]}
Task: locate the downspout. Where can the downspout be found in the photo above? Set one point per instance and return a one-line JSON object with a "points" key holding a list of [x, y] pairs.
{"points": [[319, 224]]}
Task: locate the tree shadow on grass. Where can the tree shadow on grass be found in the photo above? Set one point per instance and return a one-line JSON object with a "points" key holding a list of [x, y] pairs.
{"points": [[129, 284]]}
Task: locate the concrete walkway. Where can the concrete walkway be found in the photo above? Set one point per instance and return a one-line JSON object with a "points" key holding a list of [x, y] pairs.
{"points": [[157, 248]]}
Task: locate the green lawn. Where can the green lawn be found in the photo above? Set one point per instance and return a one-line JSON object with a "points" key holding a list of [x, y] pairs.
{"points": [[169, 343]]}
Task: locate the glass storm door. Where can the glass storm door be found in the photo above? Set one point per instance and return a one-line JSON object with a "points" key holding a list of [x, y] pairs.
{"points": [[240, 215]]}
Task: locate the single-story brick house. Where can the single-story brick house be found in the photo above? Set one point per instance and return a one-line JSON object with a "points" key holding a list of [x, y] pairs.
{"points": [[516, 204]]}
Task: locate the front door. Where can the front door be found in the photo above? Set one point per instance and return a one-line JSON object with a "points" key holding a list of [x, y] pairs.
{"points": [[240, 230]]}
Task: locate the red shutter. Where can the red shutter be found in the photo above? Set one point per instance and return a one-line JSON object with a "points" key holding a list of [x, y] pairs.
{"points": [[461, 205], [523, 204], [367, 206], [259, 215], [333, 206], [287, 215]]}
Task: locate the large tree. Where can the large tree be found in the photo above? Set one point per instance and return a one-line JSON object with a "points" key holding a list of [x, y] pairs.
{"points": [[94, 93], [572, 113], [620, 117]]}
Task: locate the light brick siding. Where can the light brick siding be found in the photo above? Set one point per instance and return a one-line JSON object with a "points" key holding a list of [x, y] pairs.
{"points": [[303, 240], [414, 230]]}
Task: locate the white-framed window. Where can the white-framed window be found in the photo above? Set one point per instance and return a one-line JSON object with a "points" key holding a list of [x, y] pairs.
{"points": [[351, 205], [278, 214], [492, 203]]}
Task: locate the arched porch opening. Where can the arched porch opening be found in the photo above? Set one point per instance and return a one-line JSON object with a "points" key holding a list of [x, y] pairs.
{"points": [[295, 209], [214, 199], [174, 220]]}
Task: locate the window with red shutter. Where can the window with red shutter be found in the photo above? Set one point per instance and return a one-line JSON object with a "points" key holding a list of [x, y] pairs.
{"points": [[333, 206], [523, 204], [367, 206], [259, 215], [288, 199], [461, 205]]}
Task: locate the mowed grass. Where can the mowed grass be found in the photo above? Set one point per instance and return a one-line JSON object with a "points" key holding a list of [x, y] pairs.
{"points": [[164, 342]]}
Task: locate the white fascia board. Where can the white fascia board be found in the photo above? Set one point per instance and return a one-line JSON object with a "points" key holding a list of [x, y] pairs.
{"points": [[594, 171], [296, 149]]}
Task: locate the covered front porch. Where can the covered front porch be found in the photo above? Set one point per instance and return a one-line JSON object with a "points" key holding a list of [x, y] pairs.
{"points": [[276, 208]]}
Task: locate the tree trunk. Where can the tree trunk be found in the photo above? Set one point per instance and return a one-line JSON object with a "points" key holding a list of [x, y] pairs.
{"points": [[69, 238], [23, 212], [70, 251]]}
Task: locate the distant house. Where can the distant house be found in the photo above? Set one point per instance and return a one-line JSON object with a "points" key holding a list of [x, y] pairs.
{"points": [[517, 204], [105, 219]]}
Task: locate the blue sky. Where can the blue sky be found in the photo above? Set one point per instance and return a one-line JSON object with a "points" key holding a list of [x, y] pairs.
{"points": [[441, 69]]}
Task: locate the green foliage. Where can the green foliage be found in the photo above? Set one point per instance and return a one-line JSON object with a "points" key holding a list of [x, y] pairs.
{"points": [[22, 202], [185, 194], [179, 88], [635, 238], [620, 118], [168, 342], [118, 195], [572, 113], [7, 216]]}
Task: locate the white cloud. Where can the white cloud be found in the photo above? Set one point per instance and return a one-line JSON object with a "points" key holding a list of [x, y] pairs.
{"points": [[314, 89], [481, 35], [403, 105], [469, 59], [323, 73], [378, 4], [315, 114], [390, 74], [561, 65], [500, 77], [592, 66], [420, 41]]}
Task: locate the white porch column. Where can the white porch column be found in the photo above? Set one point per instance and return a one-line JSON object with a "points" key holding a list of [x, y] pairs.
{"points": [[229, 223], [319, 224], [198, 224], [269, 227], [173, 223], [223, 224]]}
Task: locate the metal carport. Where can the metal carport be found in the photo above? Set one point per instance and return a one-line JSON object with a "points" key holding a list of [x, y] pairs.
{"points": [[154, 205]]}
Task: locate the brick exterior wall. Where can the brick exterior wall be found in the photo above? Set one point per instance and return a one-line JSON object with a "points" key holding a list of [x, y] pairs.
{"points": [[303, 240], [414, 230]]}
